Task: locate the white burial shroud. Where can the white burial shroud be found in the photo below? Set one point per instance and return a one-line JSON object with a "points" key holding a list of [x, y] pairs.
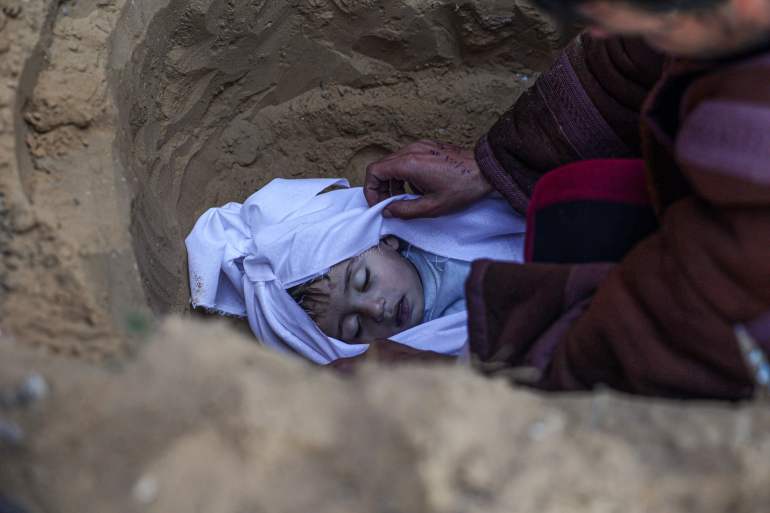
{"points": [[243, 258]]}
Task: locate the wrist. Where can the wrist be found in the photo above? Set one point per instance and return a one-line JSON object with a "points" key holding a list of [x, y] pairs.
{"points": [[487, 165], [483, 185]]}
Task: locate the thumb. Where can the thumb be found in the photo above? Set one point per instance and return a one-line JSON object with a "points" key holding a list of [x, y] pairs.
{"points": [[412, 209]]}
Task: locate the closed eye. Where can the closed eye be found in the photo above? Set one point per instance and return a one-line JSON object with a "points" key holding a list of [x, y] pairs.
{"points": [[350, 328], [367, 280]]}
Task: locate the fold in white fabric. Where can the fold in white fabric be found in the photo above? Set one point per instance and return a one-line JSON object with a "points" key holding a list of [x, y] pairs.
{"points": [[243, 257], [443, 282]]}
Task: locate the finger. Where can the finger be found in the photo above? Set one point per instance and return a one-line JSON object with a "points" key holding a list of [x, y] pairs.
{"points": [[425, 150], [420, 170], [424, 146], [379, 175], [385, 191], [382, 191], [373, 192], [401, 167], [375, 197], [415, 189], [397, 188], [413, 209], [377, 185]]}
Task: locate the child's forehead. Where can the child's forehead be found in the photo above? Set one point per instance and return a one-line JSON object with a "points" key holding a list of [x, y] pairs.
{"points": [[338, 273]]}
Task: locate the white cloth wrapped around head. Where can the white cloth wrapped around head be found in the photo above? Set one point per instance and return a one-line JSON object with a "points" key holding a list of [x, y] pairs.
{"points": [[243, 258]]}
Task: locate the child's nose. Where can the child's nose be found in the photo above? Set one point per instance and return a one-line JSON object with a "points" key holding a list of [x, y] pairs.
{"points": [[374, 308]]}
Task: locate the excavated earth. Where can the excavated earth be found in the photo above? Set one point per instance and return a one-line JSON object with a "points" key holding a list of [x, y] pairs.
{"points": [[121, 121]]}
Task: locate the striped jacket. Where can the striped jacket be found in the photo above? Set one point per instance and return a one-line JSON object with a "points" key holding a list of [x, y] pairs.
{"points": [[662, 321]]}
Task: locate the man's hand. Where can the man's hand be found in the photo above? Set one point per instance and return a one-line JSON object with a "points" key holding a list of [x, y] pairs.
{"points": [[446, 176]]}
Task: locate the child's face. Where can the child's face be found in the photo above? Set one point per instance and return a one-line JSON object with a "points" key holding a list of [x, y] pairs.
{"points": [[372, 296]]}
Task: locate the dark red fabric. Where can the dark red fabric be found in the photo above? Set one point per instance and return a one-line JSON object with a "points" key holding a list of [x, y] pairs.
{"points": [[610, 180], [520, 313], [620, 180]]}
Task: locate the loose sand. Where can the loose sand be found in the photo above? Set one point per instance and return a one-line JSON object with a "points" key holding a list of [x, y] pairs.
{"points": [[206, 422]]}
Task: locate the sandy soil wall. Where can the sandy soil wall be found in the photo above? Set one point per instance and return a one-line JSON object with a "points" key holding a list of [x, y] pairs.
{"points": [[221, 97], [68, 274]]}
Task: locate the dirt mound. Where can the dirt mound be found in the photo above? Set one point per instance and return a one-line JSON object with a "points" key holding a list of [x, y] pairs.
{"points": [[227, 427]]}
